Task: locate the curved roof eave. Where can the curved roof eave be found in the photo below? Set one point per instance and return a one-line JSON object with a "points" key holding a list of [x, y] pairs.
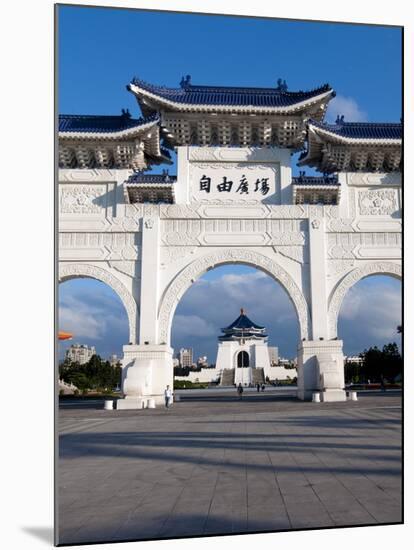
{"points": [[134, 131], [322, 133], [302, 105]]}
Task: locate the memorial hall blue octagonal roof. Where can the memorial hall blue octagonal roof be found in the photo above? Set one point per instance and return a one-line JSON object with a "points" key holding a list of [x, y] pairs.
{"points": [[243, 322], [227, 95]]}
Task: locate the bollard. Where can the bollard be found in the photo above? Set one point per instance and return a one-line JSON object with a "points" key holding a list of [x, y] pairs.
{"points": [[316, 397], [151, 404], [108, 405], [353, 396]]}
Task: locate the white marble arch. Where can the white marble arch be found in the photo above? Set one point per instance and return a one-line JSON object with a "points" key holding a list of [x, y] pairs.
{"points": [[69, 271], [183, 280], [371, 268]]}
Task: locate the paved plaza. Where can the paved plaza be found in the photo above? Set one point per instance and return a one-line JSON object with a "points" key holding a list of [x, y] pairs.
{"points": [[213, 464]]}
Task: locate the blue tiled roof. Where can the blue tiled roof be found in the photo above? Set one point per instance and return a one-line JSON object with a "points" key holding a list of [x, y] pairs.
{"points": [[362, 130], [315, 180], [243, 322], [101, 123], [226, 95], [140, 177]]}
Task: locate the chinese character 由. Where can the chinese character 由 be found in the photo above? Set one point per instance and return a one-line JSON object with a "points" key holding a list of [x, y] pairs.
{"points": [[225, 185]]}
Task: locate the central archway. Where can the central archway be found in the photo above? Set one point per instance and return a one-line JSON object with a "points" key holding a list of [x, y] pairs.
{"points": [[183, 281]]}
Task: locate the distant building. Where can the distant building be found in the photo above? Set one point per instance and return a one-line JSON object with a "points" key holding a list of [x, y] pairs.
{"points": [[354, 359], [176, 362], [80, 353], [186, 357], [273, 356], [113, 360]]}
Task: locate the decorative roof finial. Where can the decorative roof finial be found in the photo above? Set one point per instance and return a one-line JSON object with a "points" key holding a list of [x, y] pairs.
{"points": [[185, 81], [241, 311], [126, 113], [281, 85], [340, 119]]}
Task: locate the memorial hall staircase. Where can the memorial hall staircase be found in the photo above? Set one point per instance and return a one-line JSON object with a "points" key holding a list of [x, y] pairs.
{"points": [[227, 378], [258, 376]]}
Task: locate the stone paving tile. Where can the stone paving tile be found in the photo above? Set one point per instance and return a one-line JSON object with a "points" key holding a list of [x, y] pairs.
{"points": [[235, 468]]}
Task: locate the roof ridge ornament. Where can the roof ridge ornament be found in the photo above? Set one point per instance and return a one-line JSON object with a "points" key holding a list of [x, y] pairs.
{"points": [[185, 82], [340, 119], [281, 85], [125, 113]]}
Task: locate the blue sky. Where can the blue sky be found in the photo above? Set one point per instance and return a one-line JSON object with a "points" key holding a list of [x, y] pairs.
{"points": [[100, 50]]}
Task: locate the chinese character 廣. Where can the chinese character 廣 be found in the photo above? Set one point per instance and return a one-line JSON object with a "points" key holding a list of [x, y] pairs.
{"points": [[225, 185], [244, 185]]}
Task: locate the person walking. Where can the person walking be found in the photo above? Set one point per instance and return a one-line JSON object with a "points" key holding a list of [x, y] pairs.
{"points": [[240, 390], [258, 387], [168, 397], [263, 387]]}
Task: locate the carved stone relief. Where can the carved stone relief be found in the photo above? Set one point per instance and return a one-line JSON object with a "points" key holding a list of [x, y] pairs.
{"points": [[378, 202], [129, 268], [112, 245], [171, 254], [367, 178], [295, 253], [83, 199], [353, 245]]}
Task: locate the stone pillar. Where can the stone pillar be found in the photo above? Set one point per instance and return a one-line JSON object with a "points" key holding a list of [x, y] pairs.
{"points": [[182, 186], [317, 266], [150, 256], [285, 176], [321, 369], [147, 368], [320, 361]]}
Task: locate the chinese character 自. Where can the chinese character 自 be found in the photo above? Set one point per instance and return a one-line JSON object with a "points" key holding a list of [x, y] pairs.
{"points": [[205, 183]]}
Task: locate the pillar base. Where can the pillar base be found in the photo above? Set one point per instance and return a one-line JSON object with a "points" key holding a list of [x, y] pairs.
{"points": [[146, 372], [321, 369], [332, 395]]}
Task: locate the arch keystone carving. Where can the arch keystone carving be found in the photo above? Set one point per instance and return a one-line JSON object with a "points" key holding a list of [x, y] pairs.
{"points": [[73, 271], [192, 272]]}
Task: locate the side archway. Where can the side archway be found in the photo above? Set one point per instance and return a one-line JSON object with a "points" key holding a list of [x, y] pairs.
{"points": [[183, 281], [338, 295], [73, 271]]}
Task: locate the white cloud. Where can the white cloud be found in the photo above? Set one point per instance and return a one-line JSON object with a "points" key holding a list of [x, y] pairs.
{"points": [[372, 311], [346, 106], [81, 320], [193, 325]]}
